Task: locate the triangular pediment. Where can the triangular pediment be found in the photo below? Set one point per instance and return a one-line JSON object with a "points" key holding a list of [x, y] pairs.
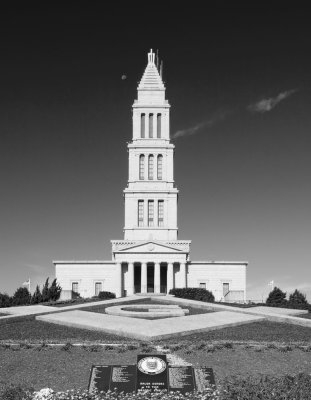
{"points": [[149, 247]]}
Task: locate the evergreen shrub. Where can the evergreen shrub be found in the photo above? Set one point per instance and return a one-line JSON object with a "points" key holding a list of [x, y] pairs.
{"points": [[193, 294], [21, 297], [106, 295], [5, 300], [298, 300], [277, 298]]}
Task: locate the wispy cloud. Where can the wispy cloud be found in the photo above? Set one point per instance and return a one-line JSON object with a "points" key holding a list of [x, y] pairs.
{"points": [[220, 116], [266, 105]]}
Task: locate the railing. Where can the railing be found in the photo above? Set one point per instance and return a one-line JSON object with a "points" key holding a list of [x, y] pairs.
{"points": [[234, 296]]}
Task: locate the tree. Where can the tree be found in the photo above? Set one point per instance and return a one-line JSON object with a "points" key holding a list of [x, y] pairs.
{"points": [[5, 300], [276, 298], [45, 291], [22, 296], [54, 291], [298, 300], [37, 296]]}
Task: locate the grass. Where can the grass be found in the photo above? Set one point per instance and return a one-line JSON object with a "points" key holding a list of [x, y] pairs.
{"points": [[192, 310], [30, 329], [306, 316], [27, 328], [69, 367], [263, 331]]}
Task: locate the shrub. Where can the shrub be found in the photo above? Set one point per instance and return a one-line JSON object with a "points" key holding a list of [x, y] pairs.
{"points": [[194, 294], [298, 300], [5, 300], [21, 297], [16, 392], [45, 291], [106, 295], [54, 291], [276, 298], [37, 296]]}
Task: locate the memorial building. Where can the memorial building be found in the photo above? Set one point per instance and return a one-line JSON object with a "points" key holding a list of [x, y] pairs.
{"points": [[151, 258]]}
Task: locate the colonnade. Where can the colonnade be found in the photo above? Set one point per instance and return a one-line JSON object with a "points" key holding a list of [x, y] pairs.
{"points": [[143, 277]]}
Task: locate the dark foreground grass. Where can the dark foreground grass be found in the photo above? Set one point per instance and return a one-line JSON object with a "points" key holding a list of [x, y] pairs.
{"points": [[69, 367], [263, 331], [28, 329], [192, 310], [307, 316]]}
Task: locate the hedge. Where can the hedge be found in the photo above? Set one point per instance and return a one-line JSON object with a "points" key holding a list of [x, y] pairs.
{"points": [[194, 294]]}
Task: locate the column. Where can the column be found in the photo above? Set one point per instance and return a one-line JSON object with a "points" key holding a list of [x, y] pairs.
{"points": [[143, 276], [170, 277], [119, 280], [157, 282], [130, 289], [183, 280]]}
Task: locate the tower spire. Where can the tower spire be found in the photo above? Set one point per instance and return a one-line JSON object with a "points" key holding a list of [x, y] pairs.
{"points": [[151, 57]]}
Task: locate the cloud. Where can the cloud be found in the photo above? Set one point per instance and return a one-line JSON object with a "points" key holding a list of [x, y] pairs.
{"points": [[266, 105], [220, 116]]}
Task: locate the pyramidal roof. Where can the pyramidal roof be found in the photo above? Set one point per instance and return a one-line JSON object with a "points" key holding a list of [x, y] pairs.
{"points": [[151, 79]]}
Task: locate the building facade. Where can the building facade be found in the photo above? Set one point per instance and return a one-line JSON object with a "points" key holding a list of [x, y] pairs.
{"points": [[150, 258]]}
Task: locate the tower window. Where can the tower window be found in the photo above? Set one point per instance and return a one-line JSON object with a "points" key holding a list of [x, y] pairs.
{"points": [[150, 212], [142, 125], [160, 167], [160, 212], [140, 213], [150, 167], [158, 125], [141, 167], [151, 125]]}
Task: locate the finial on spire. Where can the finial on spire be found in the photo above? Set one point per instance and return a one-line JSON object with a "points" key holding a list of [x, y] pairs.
{"points": [[151, 57]]}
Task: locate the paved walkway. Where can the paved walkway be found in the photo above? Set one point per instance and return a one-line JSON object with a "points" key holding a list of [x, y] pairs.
{"points": [[149, 329]]}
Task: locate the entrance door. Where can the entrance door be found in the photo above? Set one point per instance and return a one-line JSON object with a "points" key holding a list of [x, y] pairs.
{"points": [[137, 278], [150, 278], [225, 289], [163, 278]]}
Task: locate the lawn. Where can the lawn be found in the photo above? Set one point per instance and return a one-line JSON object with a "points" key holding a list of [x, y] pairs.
{"points": [[27, 328], [61, 370], [307, 316], [263, 331], [192, 310]]}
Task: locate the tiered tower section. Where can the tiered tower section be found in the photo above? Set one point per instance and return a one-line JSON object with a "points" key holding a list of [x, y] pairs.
{"points": [[150, 196]]}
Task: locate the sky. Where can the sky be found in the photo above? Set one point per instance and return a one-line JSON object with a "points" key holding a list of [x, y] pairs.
{"points": [[238, 79]]}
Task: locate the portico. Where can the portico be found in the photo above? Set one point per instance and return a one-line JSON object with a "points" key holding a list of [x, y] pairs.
{"points": [[150, 267]]}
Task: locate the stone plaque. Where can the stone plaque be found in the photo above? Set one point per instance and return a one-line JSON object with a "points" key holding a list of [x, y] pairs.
{"points": [[113, 377], [152, 372], [181, 379], [100, 378], [123, 378], [204, 378]]}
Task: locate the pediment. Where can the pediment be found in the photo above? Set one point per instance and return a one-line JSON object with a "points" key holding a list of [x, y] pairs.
{"points": [[148, 247]]}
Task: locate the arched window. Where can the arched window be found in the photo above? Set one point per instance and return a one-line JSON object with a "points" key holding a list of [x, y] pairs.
{"points": [[158, 125], [141, 167], [160, 167], [142, 125], [150, 167], [151, 125]]}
